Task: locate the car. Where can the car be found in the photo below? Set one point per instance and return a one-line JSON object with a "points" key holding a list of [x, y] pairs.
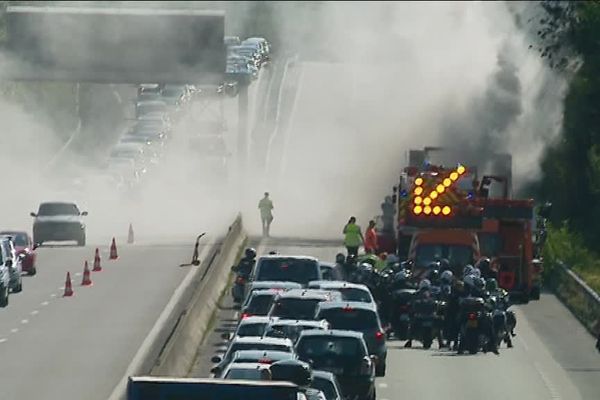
{"points": [[148, 96], [300, 303], [258, 303], [291, 328], [327, 383], [359, 317], [261, 356], [343, 353], [231, 40], [261, 44], [350, 291], [58, 221], [252, 326], [25, 250], [149, 88], [4, 281], [264, 285], [251, 53], [249, 343], [244, 371], [175, 95], [13, 262], [331, 271], [299, 269], [145, 107]]}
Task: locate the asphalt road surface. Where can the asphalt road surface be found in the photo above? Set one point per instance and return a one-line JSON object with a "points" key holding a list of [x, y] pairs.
{"points": [[553, 358], [56, 348]]}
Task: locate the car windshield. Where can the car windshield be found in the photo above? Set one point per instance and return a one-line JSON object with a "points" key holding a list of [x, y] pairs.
{"points": [[260, 304], [355, 294], [322, 347], [350, 318], [288, 269], [457, 255], [292, 308], [325, 386], [255, 329], [48, 209], [285, 330], [244, 373], [19, 239]]}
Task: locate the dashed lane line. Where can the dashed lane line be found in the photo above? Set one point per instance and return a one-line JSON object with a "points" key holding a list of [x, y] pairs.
{"points": [[14, 330]]}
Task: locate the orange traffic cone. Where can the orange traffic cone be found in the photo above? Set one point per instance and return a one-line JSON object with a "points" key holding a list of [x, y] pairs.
{"points": [[113, 250], [97, 267], [68, 286], [87, 279], [130, 235]]}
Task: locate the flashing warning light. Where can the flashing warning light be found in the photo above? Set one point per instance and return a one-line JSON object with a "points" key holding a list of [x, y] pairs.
{"points": [[447, 182], [418, 210], [419, 181], [454, 176], [427, 210], [433, 195], [418, 200], [440, 188], [470, 196], [437, 210], [427, 201], [461, 170], [446, 210], [403, 193], [418, 190]]}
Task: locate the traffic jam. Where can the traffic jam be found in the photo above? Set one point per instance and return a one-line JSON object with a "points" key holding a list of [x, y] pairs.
{"points": [[325, 325]]}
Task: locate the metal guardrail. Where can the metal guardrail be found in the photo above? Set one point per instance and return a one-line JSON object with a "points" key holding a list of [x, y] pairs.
{"points": [[576, 295]]}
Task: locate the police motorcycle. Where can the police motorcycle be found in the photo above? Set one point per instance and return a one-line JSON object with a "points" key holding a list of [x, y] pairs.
{"points": [[243, 271], [504, 319], [402, 293], [476, 330]]}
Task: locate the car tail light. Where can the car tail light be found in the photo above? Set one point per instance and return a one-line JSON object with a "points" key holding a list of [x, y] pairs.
{"points": [[246, 315], [347, 309], [365, 366], [472, 316], [379, 335], [240, 280], [265, 361]]}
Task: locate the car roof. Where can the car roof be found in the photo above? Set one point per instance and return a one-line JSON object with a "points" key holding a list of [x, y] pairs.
{"points": [[9, 232], [323, 375], [331, 332], [261, 354], [344, 304], [261, 339], [324, 285], [305, 294], [327, 264], [275, 284], [256, 319], [285, 257], [303, 322], [265, 292]]}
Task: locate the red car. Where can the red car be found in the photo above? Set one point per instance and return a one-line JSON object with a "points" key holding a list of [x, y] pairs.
{"points": [[25, 249]]}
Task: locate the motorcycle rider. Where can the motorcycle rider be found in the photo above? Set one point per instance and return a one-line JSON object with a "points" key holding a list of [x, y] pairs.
{"points": [[434, 278], [243, 270], [423, 293], [484, 264], [451, 318], [503, 302], [478, 290]]}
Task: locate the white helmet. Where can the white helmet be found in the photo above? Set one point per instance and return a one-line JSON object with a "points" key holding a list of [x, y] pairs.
{"points": [[467, 270], [447, 277], [476, 272], [469, 280], [425, 284]]}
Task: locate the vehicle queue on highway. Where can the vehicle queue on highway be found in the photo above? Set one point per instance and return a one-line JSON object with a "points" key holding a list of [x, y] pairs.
{"points": [[324, 326]]}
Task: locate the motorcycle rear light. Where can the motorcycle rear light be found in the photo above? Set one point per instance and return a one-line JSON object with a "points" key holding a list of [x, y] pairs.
{"points": [[379, 335], [240, 280], [246, 315], [347, 309], [472, 316]]}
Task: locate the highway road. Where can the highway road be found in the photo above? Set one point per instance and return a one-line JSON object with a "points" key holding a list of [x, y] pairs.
{"points": [[56, 348], [553, 358]]}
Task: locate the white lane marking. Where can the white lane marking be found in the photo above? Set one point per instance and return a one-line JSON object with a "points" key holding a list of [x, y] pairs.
{"points": [[24, 321], [134, 366], [44, 303], [34, 312], [236, 315], [3, 340], [54, 294], [61, 288], [14, 330], [383, 385], [77, 273], [554, 395]]}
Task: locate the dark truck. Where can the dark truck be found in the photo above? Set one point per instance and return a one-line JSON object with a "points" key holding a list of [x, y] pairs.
{"points": [[159, 388], [58, 221]]}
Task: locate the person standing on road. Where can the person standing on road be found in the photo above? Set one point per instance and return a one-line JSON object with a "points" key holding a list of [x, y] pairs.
{"points": [[371, 239], [265, 205], [353, 237]]}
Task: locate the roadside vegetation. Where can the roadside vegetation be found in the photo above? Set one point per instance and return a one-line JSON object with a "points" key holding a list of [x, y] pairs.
{"points": [[570, 37]]}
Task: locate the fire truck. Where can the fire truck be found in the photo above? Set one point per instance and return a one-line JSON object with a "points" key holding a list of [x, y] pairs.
{"points": [[450, 213]]}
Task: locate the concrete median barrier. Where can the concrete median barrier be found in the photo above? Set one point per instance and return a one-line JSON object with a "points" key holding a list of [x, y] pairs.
{"points": [[179, 352]]}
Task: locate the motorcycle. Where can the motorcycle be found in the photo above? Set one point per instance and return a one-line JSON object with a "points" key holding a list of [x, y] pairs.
{"points": [[474, 326], [423, 323], [243, 274], [504, 322], [400, 313]]}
